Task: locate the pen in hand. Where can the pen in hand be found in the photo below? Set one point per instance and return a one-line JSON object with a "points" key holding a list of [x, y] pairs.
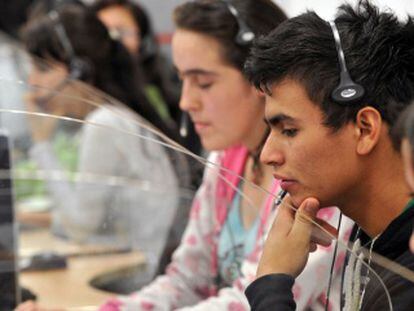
{"points": [[281, 195]]}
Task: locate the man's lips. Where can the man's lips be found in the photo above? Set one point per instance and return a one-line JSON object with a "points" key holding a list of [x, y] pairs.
{"points": [[285, 182]]}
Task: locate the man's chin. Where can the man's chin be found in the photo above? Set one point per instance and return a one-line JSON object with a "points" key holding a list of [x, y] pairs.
{"points": [[297, 199]]}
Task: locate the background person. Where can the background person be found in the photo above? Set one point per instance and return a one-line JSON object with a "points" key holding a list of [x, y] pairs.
{"points": [[403, 134], [99, 213], [129, 22]]}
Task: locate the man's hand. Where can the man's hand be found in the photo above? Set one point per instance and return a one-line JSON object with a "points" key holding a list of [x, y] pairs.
{"points": [[292, 237]]}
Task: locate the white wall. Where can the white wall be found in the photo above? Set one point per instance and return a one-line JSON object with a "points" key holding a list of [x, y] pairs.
{"points": [[161, 10], [326, 8]]}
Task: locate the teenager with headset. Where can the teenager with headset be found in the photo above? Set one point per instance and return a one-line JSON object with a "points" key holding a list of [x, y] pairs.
{"points": [[341, 126], [78, 47]]}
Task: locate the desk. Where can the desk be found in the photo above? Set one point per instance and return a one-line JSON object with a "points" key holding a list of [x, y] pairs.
{"points": [[70, 287]]}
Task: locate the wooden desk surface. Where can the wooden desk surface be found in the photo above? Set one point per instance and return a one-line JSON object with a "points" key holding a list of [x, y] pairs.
{"points": [[41, 240], [69, 288]]}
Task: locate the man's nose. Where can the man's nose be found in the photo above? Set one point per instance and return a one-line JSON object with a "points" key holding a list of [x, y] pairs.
{"points": [[272, 153]]}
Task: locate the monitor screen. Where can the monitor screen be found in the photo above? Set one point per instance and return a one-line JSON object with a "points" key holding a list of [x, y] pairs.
{"points": [[8, 249]]}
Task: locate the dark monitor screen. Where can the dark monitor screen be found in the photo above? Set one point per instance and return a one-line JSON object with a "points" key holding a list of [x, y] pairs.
{"points": [[8, 250]]}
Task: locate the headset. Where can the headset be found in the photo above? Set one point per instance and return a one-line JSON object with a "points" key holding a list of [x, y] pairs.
{"points": [[78, 68], [245, 35], [347, 92]]}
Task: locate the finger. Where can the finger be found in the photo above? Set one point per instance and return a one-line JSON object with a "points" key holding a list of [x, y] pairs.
{"points": [[285, 217], [303, 224], [313, 247]]}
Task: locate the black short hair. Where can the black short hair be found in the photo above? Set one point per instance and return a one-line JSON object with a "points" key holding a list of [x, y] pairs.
{"points": [[213, 18], [379, 52]]}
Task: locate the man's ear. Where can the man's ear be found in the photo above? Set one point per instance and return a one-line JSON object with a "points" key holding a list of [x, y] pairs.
{"points": [[368, 126]]}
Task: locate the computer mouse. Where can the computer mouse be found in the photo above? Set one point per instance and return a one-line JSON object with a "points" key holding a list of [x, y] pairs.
{"points": [[43, 261]]}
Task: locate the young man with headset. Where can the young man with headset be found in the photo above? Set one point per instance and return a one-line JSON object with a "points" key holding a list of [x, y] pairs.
{"points": [[330, 145]]}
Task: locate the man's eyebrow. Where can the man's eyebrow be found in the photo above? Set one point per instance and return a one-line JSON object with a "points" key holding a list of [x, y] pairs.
{"points": [[276, 119], [196, 71]]}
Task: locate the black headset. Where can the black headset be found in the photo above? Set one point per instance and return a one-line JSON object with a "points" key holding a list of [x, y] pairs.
{"points": [[347, 92], [245, 35], [79, 68]]}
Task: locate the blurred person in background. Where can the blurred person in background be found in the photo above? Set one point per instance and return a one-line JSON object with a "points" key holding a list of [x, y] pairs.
{"points": [[122, 215], [129, 23], [403, 135]]}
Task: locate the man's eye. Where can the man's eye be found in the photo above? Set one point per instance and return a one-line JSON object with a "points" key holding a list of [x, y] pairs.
{"points": [[205, 86], [289, 132]]}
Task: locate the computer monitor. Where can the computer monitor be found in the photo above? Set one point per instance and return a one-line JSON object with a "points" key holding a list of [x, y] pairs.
{"points": [[9, 293]]}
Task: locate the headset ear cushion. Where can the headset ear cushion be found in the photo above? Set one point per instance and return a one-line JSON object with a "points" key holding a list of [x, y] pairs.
{"points": [[347, 93], [80, 69]]}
